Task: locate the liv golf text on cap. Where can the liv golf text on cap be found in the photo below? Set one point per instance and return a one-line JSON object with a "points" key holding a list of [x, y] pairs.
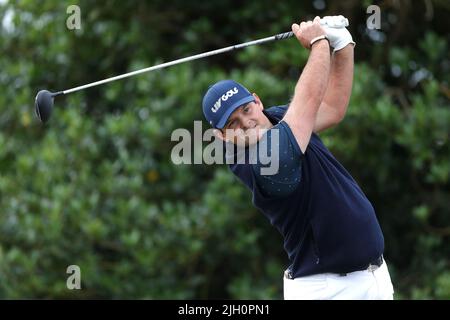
{"points": [[222, 99]]}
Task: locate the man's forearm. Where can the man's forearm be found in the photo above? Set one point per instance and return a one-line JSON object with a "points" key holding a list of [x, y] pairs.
{"points": [[311, 87], [309, 92], [340, 82]]}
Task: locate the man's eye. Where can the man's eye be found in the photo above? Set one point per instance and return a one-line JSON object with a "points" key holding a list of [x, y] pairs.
{"points": [[246, 109]]}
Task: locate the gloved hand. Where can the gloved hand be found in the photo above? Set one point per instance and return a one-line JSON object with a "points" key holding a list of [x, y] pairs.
{"points": [[336, 32], [334, 21]]}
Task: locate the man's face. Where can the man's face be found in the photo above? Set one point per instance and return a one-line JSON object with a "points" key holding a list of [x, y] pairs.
{"points": [[247, 124]]}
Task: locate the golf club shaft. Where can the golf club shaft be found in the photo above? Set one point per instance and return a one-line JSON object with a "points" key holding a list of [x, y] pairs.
{"points": [[276, 37]]}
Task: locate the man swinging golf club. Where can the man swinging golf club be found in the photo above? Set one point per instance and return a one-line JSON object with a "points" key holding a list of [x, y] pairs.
{"points": [[330, 230]]}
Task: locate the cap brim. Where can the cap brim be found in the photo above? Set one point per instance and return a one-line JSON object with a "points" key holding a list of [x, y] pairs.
{"points": [[230, 110]]}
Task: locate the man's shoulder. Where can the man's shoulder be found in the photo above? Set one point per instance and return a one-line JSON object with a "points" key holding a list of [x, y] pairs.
{"points": [[277, 111]]}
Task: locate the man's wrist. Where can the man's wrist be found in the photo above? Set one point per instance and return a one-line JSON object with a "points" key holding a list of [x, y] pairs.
{"points": [[351, 44], [319, 40]]}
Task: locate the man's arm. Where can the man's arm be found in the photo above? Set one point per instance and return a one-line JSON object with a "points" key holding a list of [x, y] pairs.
{"points": [[335, 102], [310, 89]]}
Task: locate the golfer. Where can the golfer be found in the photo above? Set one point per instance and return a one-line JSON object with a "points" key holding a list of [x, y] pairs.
{"points": [[331, 234]]}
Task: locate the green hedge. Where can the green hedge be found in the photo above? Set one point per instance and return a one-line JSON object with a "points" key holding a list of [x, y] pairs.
{"points": [[95, 187]]}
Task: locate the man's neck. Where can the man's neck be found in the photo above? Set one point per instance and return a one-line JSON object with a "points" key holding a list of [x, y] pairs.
{"points": [[270, 119]]}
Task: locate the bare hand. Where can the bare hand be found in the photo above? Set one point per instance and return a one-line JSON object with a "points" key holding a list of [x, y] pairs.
{"points": [[307, 31]]}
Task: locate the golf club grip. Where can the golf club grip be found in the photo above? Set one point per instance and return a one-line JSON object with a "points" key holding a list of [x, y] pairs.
{"points": [[285, 35], [341, 24]]}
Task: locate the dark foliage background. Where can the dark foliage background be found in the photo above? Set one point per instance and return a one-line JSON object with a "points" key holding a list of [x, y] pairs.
{"points": [[96, 187]]}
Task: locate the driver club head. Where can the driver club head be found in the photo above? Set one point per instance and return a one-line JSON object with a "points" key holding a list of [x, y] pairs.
{"points": [[44, 105]]}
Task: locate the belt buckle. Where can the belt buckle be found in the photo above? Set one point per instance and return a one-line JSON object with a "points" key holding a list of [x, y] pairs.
{"points": [[372, 267], [288, 274]]}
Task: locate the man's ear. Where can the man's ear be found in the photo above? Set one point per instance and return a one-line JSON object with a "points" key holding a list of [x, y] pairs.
{"points": [[257, 100]]}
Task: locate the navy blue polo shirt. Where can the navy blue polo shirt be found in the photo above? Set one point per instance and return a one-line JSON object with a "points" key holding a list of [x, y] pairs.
{"points": [[327, 223]]}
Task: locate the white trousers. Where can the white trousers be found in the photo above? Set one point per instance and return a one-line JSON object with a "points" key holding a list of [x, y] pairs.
{"points": [[358, 285]]}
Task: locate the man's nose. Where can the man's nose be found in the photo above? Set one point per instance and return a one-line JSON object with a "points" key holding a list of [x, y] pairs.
{"points": [[248, 123]]}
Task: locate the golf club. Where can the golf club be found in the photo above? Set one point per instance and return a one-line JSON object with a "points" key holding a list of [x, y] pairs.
{"points": [[45, 99]]}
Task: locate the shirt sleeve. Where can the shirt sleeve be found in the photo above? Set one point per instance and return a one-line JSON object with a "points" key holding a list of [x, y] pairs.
{"points": [[277, 170]]}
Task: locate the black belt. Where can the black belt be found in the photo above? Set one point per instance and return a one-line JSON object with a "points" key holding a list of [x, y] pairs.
{"points": [[372, 266], [375, 264]]}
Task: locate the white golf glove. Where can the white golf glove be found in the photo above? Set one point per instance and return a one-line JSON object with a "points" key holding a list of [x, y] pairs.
{"points": [[336, 32], [334, 21]]}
